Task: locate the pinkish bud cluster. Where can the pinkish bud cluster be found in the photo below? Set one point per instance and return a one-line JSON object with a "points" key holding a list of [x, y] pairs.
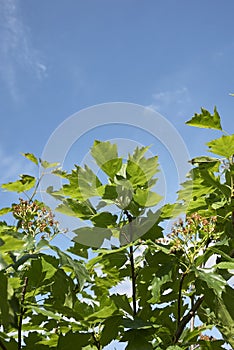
{"points": [[34, 218], [192, 230]]}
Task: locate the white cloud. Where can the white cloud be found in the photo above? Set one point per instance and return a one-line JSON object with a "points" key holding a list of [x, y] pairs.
{"points": [[16, 50], [177, 100]]}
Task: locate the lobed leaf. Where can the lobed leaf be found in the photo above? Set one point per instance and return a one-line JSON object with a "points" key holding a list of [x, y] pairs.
{"points": [[223, 146], [206, 120], [31, 157], [24, 184]]}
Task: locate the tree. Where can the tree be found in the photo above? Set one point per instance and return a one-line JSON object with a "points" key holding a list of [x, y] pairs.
{"points": [[50, 299]]}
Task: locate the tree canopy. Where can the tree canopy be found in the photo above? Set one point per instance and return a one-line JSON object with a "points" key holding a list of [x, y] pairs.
{"points": [[179, 281]]}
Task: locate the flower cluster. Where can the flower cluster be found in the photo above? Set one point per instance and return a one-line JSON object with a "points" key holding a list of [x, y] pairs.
{"points": [[34, 218], [192, 230]]}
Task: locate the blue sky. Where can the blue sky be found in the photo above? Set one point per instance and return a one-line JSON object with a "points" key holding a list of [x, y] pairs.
{"points": [[59, 57]]}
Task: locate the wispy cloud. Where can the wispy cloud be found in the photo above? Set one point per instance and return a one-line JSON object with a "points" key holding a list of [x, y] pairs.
{"points": [[17, 54], [177, 100]]}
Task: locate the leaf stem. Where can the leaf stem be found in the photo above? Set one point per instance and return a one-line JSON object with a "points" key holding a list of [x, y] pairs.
{"points": [[96, 342], [179, 299], [186, 319], [36, 187], [22, 311], [131, 257]]}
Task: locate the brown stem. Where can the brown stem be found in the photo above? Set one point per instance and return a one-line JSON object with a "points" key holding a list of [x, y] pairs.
{"points": [[96, 342], [186, 319], [179, 299], [133, 274], [22, 311], [192, 319]]}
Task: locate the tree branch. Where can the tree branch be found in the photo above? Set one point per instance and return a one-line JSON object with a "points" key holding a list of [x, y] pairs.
{"points": [[22, 313], [186, 319], [133, 274], [96, 342], [179, 299]]}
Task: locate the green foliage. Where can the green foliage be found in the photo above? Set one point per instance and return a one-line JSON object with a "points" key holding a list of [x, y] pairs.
{"points": [[55, 299], [206, 120]]}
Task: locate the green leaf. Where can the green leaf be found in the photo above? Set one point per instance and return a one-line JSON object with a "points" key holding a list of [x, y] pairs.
{"points": [[141, 172], [4, 211], [104, 219], [83, 184], [47, 165], [92, 236], [106, 310], [223, 146], [146, 198], [206, 120], [59, 172], [31, 157], [110, 330], [156, 285], [121, 301], [108, 192], [138, 154], [73, 341], [205, 162], [83, 210], [213, 281], [136, 340], [106, 156], [79, 250], [79, 269], [45, 312], [136, 323], [225, 265], [10, 243], [24, 184], [4, 306], [48, 268]]}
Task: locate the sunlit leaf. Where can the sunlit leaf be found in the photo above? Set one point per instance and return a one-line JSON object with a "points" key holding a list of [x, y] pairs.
{"points": [[71, 207], [224, 146], [139, 173], [212, 280], [4, 211], [10, 243], [92, 236], [47, 165], [146, 198], [31, 157], [105, 155], [24, 184], [206, 120]]}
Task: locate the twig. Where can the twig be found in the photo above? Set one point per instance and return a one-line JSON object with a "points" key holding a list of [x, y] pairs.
{"points": [[96, 342], [186, 319], [36, 187], [192, 319], [179, 299], [132, 265], [22, 311]]}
